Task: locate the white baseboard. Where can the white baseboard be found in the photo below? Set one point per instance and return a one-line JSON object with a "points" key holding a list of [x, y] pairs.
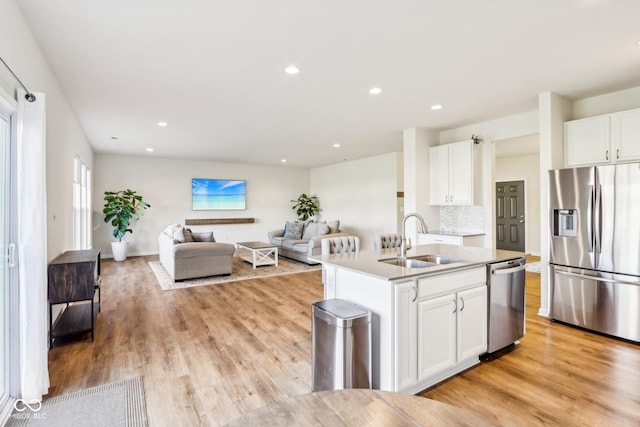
{"points": [[145, 253]]}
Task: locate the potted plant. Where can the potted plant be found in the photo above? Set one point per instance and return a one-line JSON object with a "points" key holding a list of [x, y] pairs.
{"points": [[306, 206], [120, 208]]}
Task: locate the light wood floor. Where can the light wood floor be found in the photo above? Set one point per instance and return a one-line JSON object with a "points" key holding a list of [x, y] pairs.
{"points": [[210, 354]]}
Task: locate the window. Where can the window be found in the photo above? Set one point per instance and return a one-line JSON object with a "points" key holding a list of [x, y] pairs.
{"points": [[81, 204]]}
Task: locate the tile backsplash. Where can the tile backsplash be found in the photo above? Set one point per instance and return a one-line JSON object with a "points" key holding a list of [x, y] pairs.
{"points": [[462, 218]]}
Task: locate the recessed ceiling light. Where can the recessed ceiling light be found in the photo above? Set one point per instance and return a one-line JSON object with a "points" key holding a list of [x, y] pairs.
{"points": [[436, 107], [150, 150], [336, 145], [283, 161], [162, 124], [375, 91], [292, 69], [638, 43]]}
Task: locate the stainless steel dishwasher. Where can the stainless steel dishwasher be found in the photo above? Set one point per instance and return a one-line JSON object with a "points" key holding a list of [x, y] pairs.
{"points": [[506, 302]]}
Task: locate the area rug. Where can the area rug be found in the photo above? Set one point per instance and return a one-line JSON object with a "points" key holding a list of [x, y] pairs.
{"points": [[118, 404], [241, 270]]}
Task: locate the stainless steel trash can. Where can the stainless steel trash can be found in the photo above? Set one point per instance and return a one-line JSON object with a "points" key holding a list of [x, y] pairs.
{"points": [[341, 346]]}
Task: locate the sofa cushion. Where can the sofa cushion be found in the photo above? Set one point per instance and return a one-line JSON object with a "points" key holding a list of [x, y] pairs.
{"points": [[313, 229], [297, 245], [293, 230], [203, 237]]}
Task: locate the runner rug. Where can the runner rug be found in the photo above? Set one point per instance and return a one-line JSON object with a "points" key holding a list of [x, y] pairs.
{"points": [[118, 404]]}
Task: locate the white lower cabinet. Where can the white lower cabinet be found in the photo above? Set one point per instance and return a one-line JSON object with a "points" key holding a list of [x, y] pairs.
{"points": [[472, 323], [440, 327], [406, 294], [436, 335]]}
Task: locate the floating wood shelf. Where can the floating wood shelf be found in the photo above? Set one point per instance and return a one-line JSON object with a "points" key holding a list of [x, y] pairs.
{"points": [[219, 221]]}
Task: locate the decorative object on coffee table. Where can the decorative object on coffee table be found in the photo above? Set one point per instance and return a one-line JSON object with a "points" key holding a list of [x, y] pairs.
{"points": [[120, 208], [258, 253]]}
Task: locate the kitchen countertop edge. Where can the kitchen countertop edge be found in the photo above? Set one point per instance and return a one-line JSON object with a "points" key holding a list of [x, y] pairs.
{"points": [[368, 261]]}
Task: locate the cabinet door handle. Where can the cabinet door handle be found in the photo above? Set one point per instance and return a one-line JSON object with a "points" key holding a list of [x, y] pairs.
{"points": [[455, 305], [415, 293], [462, 299], [11, 255], [617, 153], [451, 198], [607, 154]]}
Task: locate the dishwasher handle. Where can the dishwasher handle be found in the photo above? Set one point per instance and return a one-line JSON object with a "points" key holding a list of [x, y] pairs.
{"points": [[501, 271]]}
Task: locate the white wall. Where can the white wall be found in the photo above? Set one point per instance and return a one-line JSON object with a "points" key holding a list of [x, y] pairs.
{"points": [[64, 135], [166, 185], [607, 103], [361, 194], [518, 168]]}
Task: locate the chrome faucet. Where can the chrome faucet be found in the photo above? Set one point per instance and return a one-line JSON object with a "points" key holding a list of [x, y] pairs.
{"points": [[406, 243]]}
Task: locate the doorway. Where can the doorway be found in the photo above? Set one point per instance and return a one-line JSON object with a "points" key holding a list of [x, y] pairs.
{"points": [[510, 218]]}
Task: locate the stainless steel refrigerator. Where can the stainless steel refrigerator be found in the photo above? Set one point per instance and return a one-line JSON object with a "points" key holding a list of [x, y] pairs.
{"points": [[595, 248]]}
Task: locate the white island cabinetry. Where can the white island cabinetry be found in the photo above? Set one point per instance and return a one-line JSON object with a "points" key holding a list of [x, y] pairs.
{"points": [[424, 329]]}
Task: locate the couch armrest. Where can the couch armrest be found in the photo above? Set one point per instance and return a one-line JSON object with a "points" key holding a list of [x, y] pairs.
{"points": [[275, 233]]}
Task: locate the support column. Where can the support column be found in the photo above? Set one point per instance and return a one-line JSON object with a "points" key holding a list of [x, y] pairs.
{"points": [[416, 143]]}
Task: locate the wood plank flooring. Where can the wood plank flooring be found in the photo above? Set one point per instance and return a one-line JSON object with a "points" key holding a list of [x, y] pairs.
{"points": [[213, 353]]}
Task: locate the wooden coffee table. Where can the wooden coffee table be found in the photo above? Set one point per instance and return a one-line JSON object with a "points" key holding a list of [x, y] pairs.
{"points": [[258, 253]]}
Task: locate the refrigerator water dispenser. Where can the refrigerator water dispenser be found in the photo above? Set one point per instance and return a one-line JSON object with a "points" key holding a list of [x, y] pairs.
{"points": [[565, 222]]}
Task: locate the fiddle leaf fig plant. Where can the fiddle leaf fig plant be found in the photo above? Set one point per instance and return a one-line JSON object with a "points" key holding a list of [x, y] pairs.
{"points": [[120, 208], [306, 206]]}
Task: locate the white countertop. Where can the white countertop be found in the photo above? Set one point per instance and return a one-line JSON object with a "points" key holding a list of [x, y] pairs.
{"points": [[367, 262]]}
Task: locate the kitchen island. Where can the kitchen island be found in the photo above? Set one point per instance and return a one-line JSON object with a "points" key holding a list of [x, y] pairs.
{"points": [[429, 321]]}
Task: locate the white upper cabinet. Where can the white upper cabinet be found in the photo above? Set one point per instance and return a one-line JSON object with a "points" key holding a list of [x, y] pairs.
{"points": [[603, 139], [625, 135], [451, 174]]}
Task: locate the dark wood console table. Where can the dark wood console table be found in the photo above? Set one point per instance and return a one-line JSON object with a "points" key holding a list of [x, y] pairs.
{"points": [[74, 277]]}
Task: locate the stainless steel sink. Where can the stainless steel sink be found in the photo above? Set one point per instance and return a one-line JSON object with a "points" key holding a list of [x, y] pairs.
{"points": [[422, 261]]}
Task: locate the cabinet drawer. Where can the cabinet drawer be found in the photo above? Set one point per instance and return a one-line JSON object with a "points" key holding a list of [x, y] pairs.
{"points": [[450, 282]]}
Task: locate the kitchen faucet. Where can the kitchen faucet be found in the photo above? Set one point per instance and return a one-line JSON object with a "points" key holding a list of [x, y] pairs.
{"points": [[406, 243]]}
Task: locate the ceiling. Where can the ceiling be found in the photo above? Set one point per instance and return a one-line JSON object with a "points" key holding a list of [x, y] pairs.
{"points": [[214, 70]]}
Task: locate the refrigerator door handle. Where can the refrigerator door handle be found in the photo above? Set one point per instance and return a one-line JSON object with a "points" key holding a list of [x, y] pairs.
{"points": [[598, 279], [598, 220], [590, 219]]}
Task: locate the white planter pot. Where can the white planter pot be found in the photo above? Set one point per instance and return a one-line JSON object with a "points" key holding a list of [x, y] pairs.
{"points": [[119, 250]]}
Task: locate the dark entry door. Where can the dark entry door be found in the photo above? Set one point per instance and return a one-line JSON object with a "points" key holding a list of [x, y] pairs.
{"points": [[510, 215]]}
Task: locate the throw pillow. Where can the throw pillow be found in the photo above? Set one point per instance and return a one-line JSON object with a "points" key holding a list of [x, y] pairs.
{"points": [[203, 237], [188, 237], [293, 230], [334, 226], [170, 229], [314, 229], [178, 235]]}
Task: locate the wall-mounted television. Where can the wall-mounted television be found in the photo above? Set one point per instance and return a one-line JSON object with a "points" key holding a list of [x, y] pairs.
{"points": [[218, 194]]}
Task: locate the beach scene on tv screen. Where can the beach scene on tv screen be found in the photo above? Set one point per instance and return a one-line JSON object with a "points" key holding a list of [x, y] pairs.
{"points": [[218, 194]]}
